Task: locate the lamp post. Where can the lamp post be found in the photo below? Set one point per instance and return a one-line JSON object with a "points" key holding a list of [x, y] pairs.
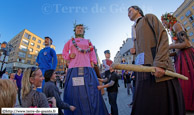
{"points": [[5, 49]]}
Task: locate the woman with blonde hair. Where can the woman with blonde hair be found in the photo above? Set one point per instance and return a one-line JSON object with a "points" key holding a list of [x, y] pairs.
{"points": [[7, 93], [32, 79]]}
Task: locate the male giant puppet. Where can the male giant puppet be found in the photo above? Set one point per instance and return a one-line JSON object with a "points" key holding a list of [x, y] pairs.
{"points": [[46, 59], [106, 63]]}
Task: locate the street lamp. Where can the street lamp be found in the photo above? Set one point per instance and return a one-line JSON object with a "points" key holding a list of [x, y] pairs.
{"points": [[5, 49]]}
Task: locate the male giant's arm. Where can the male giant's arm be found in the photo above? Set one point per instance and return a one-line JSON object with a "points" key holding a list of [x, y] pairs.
{"points": [[162, 47], [66, 49], [54, 59], [37, 59]]}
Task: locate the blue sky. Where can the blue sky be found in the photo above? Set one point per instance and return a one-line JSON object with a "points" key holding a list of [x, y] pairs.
{"points": [[107, 20]]}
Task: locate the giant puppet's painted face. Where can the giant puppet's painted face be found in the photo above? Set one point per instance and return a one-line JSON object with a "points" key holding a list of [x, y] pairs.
{"points": [[107, 55], [79, 30], [166, 24], [47, 42], [132, 14]]}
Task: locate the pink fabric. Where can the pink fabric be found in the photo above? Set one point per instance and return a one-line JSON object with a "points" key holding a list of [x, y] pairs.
{"points": [[81, 59]]}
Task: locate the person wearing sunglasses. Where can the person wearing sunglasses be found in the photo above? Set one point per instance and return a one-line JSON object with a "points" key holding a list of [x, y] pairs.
{"points": [[32, 79]]}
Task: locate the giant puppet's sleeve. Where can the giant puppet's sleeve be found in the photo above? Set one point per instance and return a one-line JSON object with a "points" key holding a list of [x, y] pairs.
{"points": [[54, 56], [37, 58], [65, 52], [162, 47], [93, 56]]}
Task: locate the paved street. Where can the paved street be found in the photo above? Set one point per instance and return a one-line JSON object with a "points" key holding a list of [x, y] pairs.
{"points": [[123, 100]]}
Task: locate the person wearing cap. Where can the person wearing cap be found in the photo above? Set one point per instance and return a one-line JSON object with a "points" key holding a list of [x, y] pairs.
{"points": [[80, 88], [155, 93], [46, 59], [106, 63], [51, 90]]}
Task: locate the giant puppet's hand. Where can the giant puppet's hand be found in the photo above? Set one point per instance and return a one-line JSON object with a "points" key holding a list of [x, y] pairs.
{"points": [[159, 72], [92, 64], [37, 64], [72, 55]]}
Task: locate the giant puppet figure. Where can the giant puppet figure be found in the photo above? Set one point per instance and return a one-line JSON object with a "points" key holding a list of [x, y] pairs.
{"points": [[156, 93], [184, 58], [46, 59], [107, 63], [81, 83]]}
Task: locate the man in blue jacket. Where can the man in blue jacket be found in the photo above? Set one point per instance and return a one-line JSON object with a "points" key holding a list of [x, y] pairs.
{"points": [[47, 59]]}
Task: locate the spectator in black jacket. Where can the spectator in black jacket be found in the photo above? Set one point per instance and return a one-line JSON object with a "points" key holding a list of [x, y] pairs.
{"points": [[51, 90], [128, 78]]}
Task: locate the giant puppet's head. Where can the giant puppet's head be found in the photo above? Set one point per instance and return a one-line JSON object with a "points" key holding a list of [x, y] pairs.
{"points": [[48, 41], [168, 20], [79, 30], [107, 54]]}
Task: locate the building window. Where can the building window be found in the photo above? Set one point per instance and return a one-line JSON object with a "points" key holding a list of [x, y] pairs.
{"points": [[29, 56], [39, 41], [36, 51], [25, 41], [185, 22], [191, 33], [28, 36], [182, 17], [188, 28], [38, 46], [21, 54], [193, 7], [23, 48], [191, 18], [31, 50], [20, 60], [28, 62], [33, 38], [188, 13], [32, 44], [193, 25]]}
